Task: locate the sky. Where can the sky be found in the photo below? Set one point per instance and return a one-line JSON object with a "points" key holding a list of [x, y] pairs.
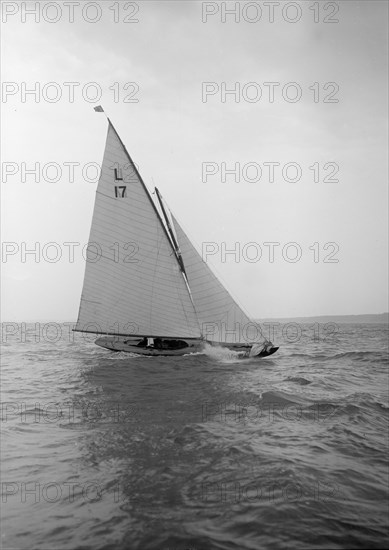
{"points": [[162, 71]]}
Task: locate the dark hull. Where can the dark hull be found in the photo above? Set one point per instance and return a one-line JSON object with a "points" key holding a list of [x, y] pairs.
{"points": [[134, 345]]}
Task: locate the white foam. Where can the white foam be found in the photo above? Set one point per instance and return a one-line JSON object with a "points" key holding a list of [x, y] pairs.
{"points": [[221, 354]]}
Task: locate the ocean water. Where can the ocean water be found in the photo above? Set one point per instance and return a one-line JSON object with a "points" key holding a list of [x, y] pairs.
{"points": [[106, 450]]}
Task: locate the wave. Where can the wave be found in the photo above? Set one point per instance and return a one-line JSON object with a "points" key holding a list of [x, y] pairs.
{"points": [[299, 380], [352, 407], [376, 356], [283, 398], [361, 355]]}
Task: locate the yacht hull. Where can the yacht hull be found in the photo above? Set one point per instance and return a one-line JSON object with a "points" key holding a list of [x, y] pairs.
{"points": [[135, 345]]}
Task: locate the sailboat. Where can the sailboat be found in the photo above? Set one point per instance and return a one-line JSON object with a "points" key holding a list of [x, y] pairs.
{"points": [[146, 288]]}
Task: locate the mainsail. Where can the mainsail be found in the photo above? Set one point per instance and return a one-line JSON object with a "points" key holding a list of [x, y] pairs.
{"points": [[133, 283]]}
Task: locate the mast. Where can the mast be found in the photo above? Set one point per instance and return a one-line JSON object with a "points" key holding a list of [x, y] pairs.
{"points": [[177, 252], [171, 232]]}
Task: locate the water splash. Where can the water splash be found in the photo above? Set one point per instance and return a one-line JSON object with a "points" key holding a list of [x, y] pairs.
{"points": [[223, 355]]}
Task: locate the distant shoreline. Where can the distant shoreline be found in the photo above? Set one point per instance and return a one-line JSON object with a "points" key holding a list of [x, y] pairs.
{"points": [[373, 318]]}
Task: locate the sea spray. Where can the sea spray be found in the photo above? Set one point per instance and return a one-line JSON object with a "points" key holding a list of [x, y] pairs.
{"points": [[221, 354]]}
